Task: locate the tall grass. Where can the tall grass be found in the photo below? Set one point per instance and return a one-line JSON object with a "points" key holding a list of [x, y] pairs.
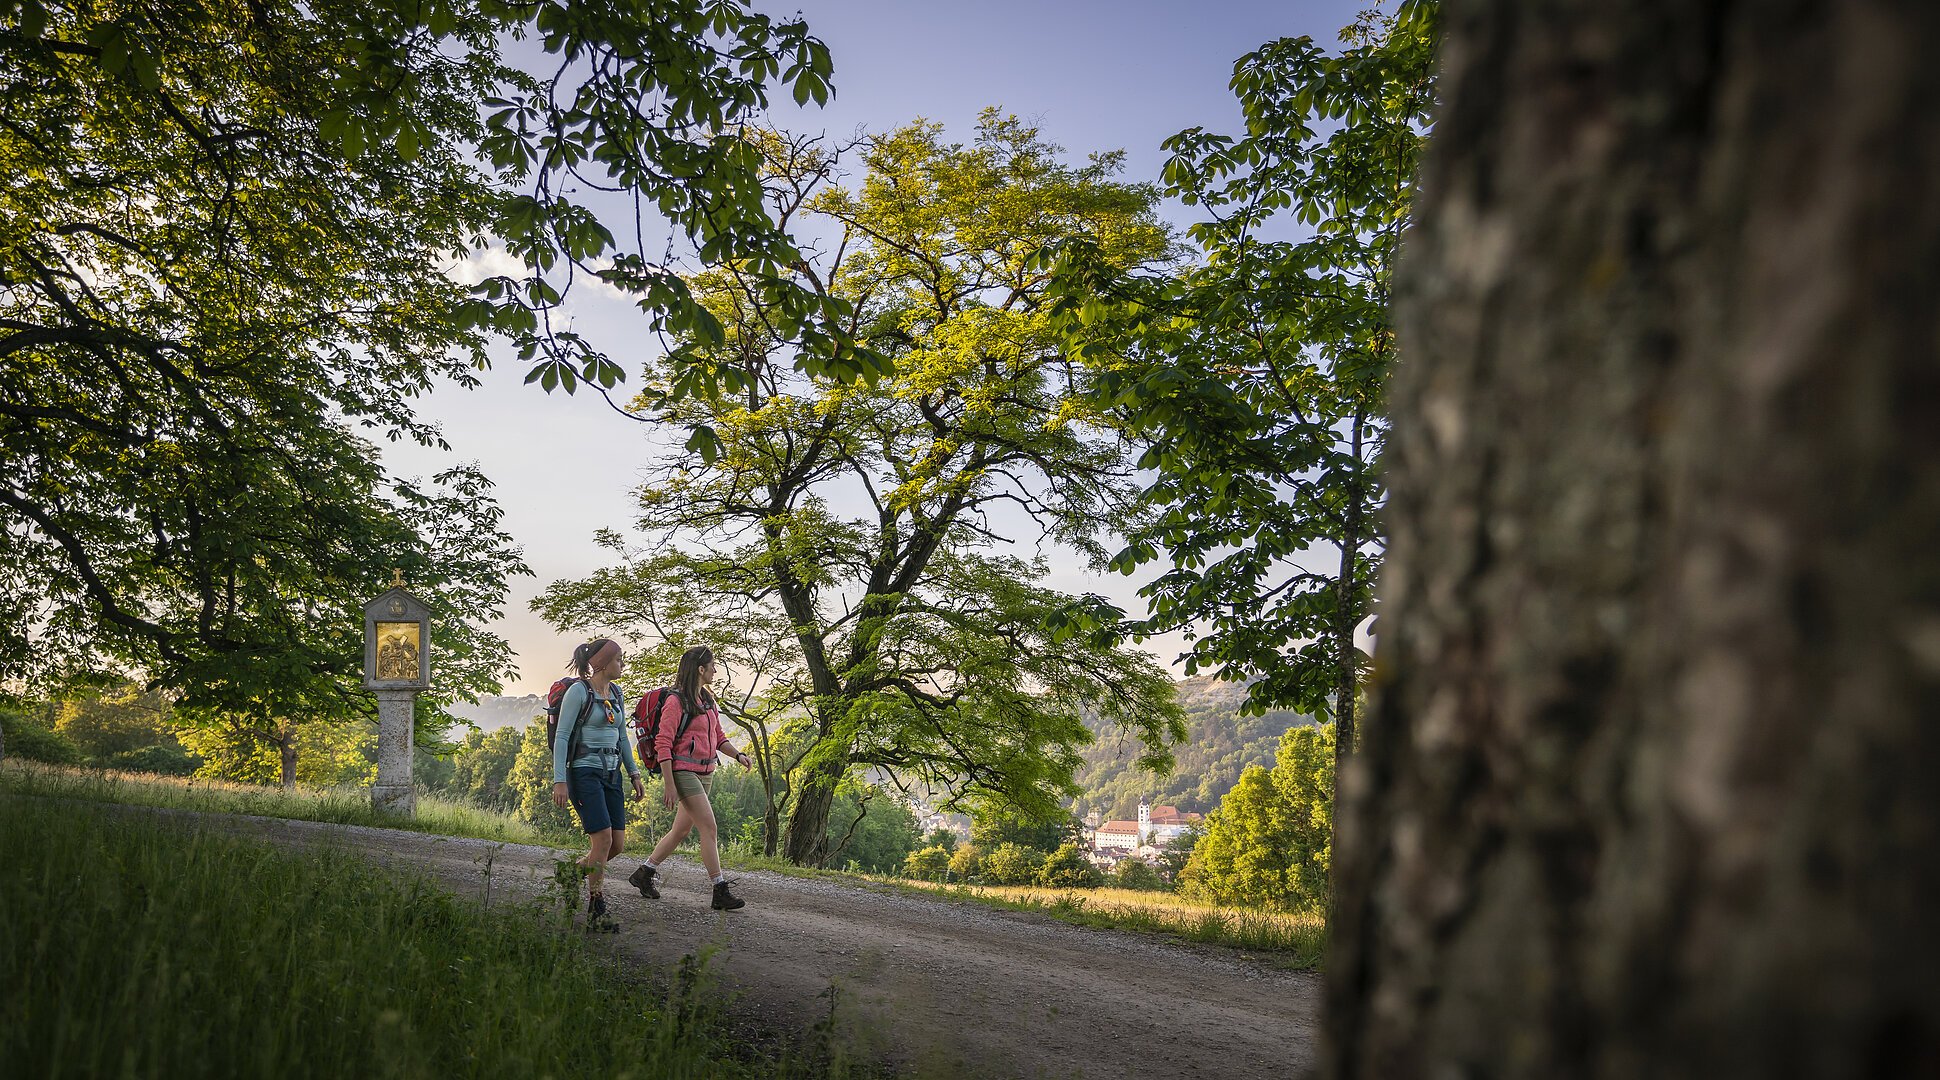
{"points": [[343, 806], [1298, 941], [143, 948]]}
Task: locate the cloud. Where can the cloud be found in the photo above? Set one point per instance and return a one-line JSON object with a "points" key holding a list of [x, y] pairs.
{"points": [[486, 262], [495, 261]]}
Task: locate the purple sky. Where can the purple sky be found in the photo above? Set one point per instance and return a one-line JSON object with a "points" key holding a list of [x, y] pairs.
{"points": [[1094, 75]]}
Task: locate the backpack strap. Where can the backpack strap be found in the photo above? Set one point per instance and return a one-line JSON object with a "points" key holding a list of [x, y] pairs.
{"points": [[686, 718], [574, 745]]}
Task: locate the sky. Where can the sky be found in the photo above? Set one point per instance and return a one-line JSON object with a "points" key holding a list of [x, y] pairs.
{"points": [[1094, 75]]}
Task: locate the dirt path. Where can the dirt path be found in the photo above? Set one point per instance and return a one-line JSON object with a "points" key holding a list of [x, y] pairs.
{"points": [[938, 988]]}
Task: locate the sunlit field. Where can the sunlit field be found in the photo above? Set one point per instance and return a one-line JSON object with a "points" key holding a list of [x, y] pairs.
{"points": [[1298, 939]]}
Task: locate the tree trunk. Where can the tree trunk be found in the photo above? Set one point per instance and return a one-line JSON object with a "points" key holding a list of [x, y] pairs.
{"points": [[286, 746], [1649, 783], [807, 843], [1347, 676]]}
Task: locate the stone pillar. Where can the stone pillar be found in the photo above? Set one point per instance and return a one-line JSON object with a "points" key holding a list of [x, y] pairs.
{"points": [[397, 667], [393, 790]]}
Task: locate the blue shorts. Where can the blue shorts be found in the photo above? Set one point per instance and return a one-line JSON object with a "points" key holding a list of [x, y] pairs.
{"points": [[597, 796]]}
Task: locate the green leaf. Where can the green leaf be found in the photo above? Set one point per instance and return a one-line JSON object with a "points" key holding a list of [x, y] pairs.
{"points": [[407, 141]]}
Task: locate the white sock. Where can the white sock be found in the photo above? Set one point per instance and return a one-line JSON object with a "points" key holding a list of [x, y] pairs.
{"points": [[720, 879], [651, 865]]}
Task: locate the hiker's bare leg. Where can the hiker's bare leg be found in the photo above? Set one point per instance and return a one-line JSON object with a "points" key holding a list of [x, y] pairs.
{"points": [[599, 846], [698, 808], [683, 823]]}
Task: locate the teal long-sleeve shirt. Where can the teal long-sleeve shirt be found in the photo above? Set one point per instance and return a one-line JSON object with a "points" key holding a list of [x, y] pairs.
{"points": [[604, 734]]}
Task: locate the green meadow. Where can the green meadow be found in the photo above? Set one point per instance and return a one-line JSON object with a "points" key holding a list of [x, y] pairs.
{"points": [[139, 947]]}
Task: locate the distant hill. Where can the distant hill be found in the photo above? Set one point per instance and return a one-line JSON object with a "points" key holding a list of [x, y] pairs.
{"points": [[1219, 745], [498, 712]]}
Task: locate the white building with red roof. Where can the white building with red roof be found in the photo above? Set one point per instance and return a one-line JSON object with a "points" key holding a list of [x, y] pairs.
{"points": [[1156, 825]]}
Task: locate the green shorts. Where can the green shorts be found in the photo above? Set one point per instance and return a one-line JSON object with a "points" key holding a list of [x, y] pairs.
{"points": [[688, 784]]}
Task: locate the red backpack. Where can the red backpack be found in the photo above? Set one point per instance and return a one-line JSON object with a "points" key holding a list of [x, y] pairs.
{"points": [[646, 724]]}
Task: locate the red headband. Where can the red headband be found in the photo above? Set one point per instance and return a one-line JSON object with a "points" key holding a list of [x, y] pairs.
{"points": [[597, 660]]}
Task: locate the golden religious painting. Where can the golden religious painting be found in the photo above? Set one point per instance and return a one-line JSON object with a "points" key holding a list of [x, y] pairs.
{"points": [[397, 651]]}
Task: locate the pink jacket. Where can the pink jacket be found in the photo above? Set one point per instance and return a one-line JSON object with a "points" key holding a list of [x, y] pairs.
{"points": [[697, 747]]}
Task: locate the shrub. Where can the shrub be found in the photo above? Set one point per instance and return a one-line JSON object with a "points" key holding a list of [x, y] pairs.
{"points": [[1137, 874], [27, 739], [929, 864], [966, 864], [1012, 864], [167, 760], [1067, 868]]}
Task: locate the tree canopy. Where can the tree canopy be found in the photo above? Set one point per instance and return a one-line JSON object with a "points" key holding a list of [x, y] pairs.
{"points": [[227, 262], [1270, 842], [1254, 373], [864, 515]]}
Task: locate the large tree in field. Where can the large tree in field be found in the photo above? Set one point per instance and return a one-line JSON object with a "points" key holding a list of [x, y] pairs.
{"points": [[1255, 374], [223, 244], [868, 515], [1648, 787]]}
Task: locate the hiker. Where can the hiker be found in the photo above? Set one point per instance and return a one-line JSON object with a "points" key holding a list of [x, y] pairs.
{"points": [[587, 753], [688, 738]]}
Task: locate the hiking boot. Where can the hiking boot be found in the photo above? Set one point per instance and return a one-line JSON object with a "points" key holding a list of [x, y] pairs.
{"points": [[597, 919], [725, 900], [642, 880]]}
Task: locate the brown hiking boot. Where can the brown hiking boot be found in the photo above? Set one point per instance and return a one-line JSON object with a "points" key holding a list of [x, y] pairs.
{"points": [[725, 900], [598, 921], [642, 880]]}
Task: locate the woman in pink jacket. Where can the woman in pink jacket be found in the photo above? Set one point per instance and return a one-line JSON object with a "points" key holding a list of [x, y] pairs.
{"points": [[687, 743]]}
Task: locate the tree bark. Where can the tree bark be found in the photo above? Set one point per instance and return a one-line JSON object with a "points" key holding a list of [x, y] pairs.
{"points": [[286, 749], [1347, 673], [807, 842], [1649, 787]]}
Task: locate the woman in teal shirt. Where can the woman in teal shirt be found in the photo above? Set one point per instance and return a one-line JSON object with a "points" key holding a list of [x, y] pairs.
{"points": [[587, 753]]}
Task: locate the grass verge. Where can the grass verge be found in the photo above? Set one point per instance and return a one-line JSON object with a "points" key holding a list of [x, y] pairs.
{"points": [[1291, 941], [342, 806], [147, 948]]}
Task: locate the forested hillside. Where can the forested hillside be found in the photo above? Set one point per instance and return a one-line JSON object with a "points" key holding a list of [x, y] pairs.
{"points": [[1219, 745], [498, 712]]}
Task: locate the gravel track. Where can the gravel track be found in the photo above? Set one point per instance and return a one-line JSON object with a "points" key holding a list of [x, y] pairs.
{"points": [[934, 987]]}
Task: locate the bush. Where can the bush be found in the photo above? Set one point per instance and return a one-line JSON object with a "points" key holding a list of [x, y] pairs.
{"points": [[1137, 874], [1012, 864], [929, 864], [167, 760], [966, 863], [1067, 868], [27, 739]]}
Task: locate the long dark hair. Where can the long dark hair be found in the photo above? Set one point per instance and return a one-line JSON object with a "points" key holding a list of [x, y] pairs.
{"points": [[694, 698], [582, 661]]}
